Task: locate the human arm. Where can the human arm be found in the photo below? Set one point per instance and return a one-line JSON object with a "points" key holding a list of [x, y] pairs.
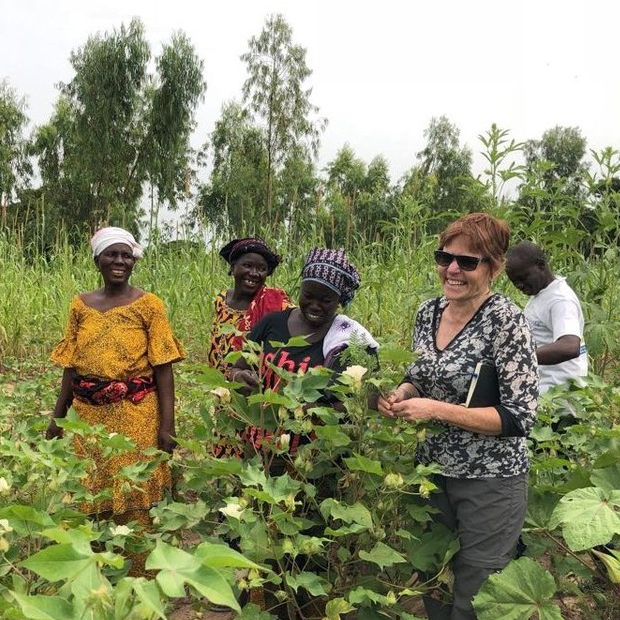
{"points": [[405, 402], [63, 402], [564, 319], [481, 420], [164, 381], [563, 349], [242, 373], [499, 336]]}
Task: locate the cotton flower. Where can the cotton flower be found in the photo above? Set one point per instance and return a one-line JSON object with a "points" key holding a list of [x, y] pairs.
{"points": [[222, 393], [121, 530], [4, 526], [232, 510], [285, 441], [5, 487], [356, 373]]}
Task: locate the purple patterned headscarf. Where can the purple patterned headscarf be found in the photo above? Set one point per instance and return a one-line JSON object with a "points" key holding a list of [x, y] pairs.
{"points": [[333, 269]]}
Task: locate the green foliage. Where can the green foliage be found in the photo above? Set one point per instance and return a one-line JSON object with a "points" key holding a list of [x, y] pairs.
{"points": [[338, 520], [115, 127], [521, 591], [14, 166], [275, 93]]}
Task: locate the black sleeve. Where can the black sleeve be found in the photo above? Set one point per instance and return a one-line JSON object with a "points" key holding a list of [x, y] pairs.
{"points": [[511, 425]]}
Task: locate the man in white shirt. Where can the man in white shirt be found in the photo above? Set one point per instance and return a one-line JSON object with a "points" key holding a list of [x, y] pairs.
{"points": [[554, 314]]}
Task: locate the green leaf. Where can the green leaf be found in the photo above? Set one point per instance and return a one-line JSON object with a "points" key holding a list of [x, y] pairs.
{"points": [[222, 555], [273, 398], [79, 538], [382, 555], [337, 606], [295, 341], [522, 589], [360, 595], [40, 607], [611, 457], [589, 517], [207, 375], [540, 507], [607, 478], [177, 568], [332, 435], [85, 583], [362, 463], [253, 476], [611, 561], [358, 513], [22, 518], [58, 562], [313, 583], [431, 549], [148, 592]]}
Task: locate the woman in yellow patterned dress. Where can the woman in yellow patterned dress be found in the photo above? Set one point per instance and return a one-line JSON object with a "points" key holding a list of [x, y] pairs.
{"points": [[117, 355]]}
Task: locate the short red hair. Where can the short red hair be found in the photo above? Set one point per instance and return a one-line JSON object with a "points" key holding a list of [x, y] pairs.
{"points": [[488, 236]]}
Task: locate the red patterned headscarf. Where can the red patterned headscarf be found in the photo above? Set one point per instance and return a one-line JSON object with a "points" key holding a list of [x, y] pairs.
{"points": [[237, 247]]}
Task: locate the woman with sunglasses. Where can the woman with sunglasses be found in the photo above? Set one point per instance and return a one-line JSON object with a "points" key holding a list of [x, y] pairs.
{"points": [[482, 488]]}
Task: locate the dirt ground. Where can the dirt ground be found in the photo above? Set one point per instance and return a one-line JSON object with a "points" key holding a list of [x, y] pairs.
{"points": [[186, 611]]}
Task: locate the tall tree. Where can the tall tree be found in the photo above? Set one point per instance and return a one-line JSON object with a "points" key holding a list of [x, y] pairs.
{"points": [[346, 175], [235, 190], [275, 92], [117, 126], [376, 201], [108, 100], [554, 184], [180, 87], [298, 194], [14, 165], [449, 166], [564, 148]]}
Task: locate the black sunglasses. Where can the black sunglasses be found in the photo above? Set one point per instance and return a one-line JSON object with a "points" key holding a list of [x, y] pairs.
{"points": [[466, 263]]}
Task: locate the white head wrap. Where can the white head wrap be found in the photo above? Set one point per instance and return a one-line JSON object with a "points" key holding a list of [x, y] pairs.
{"points": [[105, 237]]}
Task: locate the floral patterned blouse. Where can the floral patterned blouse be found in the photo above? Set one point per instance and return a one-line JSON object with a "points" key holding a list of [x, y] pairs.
{"points": [[497, 334]]}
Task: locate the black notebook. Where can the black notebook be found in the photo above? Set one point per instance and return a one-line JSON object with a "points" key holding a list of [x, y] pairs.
{"points": [[484, 387]]}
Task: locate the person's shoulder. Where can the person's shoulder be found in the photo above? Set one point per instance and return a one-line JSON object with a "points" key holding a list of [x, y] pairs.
{"points": [[561, 285], [274, 318], [88, 298], [557, 293], [221, 296], [429, 305], [275, 291], [501, 304], [149, 301]]}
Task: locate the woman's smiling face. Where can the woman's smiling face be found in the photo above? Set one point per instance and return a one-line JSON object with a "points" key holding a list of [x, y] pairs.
{"points": [[318, 303], [249, 272], [459, 285], [116, 263]]}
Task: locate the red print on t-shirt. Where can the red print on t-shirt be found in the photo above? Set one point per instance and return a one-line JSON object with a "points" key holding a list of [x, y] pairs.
{"points": [[280, 359]]}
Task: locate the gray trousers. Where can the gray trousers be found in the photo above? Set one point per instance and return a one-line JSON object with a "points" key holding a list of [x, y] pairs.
{"points": [[487, 514]]}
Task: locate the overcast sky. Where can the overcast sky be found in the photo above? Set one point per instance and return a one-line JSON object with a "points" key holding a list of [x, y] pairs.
{"points": [[381, 70]]}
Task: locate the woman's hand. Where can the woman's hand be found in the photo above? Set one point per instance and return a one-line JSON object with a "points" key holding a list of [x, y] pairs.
{"points": [[247, 377], [404, 392], [165, 440], [53, 430], [164, 381], [413, 409]]}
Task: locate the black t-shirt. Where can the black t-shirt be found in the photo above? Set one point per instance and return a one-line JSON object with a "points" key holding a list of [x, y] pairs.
{"points": [[274, 328]]}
